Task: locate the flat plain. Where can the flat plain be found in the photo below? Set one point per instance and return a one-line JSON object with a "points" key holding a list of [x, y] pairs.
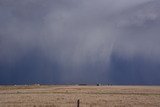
{"points": [[89, 96]]}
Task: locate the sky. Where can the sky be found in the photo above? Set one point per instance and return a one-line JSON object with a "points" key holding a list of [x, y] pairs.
{"points": [[80, 41]]}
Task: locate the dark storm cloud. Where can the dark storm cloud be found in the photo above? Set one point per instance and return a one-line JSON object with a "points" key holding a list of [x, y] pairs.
{"points": [[71, 41]]}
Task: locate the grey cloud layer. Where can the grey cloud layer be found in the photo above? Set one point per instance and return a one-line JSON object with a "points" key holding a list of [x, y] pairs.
{"points": [[80, 36], [140, 30]]}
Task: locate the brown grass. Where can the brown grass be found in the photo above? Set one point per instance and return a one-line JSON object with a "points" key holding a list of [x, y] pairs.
{"points": [[90, 96]]}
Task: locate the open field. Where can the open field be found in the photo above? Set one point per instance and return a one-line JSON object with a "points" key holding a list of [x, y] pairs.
{"points": [[90, 96]]}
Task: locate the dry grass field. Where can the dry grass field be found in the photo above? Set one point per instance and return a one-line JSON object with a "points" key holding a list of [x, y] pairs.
{"points": [[90, 96]]}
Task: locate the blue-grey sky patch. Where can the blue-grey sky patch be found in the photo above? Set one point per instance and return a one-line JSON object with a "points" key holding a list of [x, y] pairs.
{"points": [[86, 41]]}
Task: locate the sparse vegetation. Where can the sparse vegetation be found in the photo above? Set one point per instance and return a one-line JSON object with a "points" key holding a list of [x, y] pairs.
{"points": [[90, 96]]}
